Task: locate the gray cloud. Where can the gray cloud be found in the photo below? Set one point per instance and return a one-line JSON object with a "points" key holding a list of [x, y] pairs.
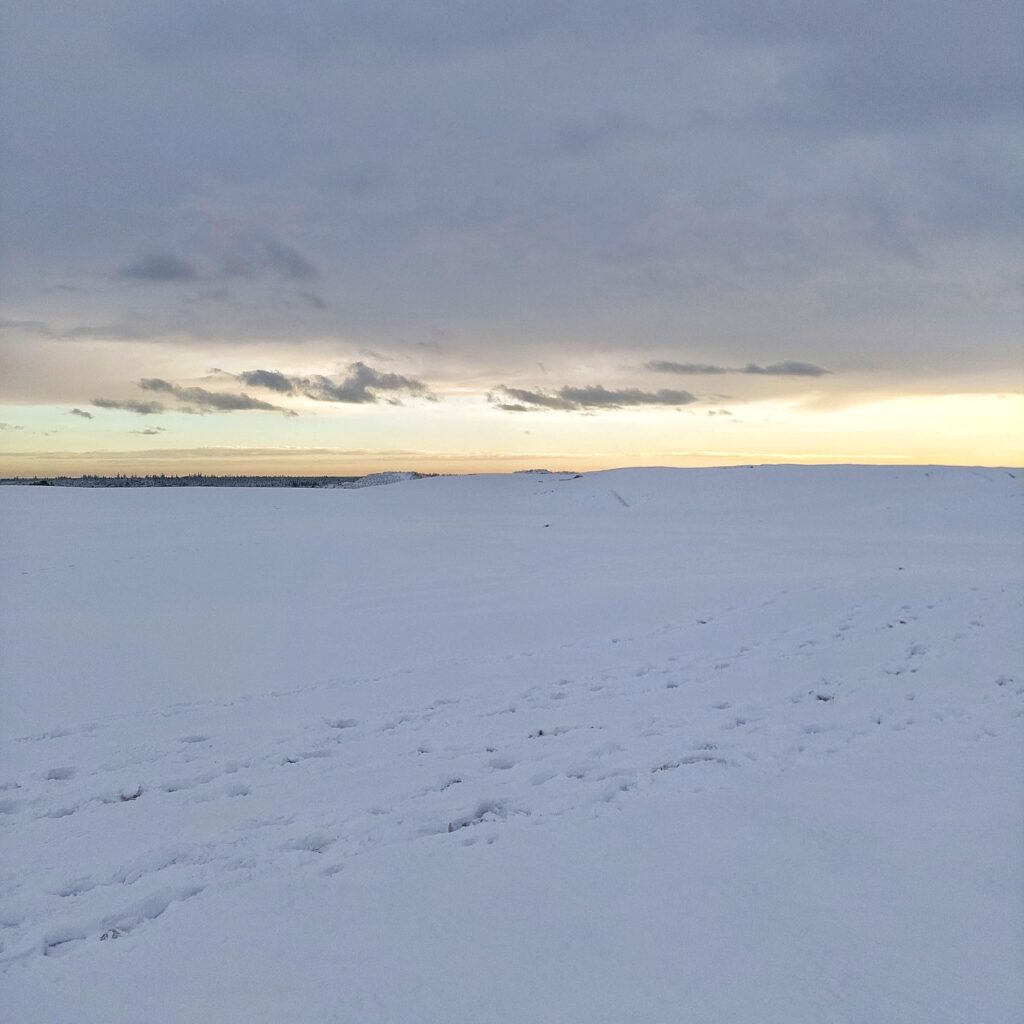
{"points": [[594, 396], [360, 385], [141, 408], [159, 268], [81, 412], [272, 380], [201, 400], [787, 368], [11, 426], [666, 366], [598, 397], [522, 400], [149, 431]]}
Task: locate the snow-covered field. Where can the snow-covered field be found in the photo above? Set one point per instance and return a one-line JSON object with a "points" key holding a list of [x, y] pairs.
{"points": [[736, 745]]}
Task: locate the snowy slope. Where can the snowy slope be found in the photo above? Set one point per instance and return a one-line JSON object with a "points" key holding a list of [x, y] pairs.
{"points": [[647, 745]]}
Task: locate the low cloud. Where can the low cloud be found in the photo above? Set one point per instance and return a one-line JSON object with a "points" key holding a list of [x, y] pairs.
{"points": [[787, 368], [362, 384], [159, 268], [202, 401], [141, 408], [81, 412], [521, 400], [272, 380], [149, 431], [11, 426], [665, 366], [594, 396]]}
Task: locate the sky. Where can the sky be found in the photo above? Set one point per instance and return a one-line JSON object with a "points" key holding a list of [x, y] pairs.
{"points": [[464, 235]]}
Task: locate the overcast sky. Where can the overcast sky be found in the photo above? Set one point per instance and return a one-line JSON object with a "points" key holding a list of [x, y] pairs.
{"points": [[331, 234]]}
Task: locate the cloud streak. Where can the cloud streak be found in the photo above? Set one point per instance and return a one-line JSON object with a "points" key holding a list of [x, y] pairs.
{"points": [[139, 408], [787, 368], [201, 400], [159, 268], [590, 397]]}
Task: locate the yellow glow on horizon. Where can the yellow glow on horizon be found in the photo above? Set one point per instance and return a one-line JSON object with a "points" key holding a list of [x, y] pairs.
{"points": [[957, 429]]}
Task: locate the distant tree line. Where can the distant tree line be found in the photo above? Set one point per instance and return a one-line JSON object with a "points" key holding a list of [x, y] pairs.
{"points": [[210, 480]]}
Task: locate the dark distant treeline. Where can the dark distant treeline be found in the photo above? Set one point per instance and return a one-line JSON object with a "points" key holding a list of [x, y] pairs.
{"points": [[203, 480]]}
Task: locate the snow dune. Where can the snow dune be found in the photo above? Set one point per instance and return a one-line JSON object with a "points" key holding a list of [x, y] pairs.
{"points": [[647, 745]]}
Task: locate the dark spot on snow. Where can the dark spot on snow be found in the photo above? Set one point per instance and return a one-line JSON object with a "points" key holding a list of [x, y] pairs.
{"points": [[488, 810]]}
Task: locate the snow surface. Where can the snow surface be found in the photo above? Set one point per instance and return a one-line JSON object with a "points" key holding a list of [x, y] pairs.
{"points": [[647, 745]]}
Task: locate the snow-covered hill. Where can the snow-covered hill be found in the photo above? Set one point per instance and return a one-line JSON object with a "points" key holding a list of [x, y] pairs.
{"points": [[646, 745]]}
